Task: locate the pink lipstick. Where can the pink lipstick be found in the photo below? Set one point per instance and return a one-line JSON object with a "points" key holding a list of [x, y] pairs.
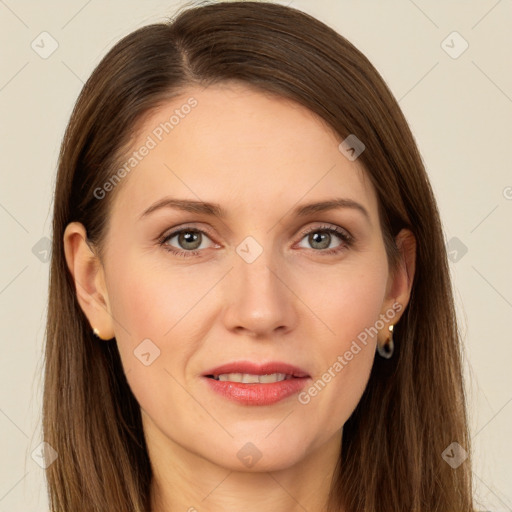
{"points": [[251, 383]]}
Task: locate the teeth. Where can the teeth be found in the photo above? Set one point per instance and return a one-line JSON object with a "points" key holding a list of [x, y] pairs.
{"points": [[247, 378]]}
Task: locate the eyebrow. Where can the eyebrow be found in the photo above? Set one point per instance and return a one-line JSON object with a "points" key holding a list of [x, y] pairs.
{"points": [[216, 210]]}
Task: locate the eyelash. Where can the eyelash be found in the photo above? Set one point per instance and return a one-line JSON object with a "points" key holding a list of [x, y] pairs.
{"points": [[347, 240]]}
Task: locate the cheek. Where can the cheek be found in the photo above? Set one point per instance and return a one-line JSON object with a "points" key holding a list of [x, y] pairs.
{"points": [[151, 302], [348, 298], [140, 306], [351, 309], [149, 299], [357, 303], [146, 308]]}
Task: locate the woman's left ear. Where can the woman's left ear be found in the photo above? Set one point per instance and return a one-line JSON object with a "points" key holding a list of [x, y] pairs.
{"points": [[400, 282]]}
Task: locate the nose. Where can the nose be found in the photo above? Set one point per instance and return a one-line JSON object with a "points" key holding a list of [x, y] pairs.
{"points": [[260, 301]]}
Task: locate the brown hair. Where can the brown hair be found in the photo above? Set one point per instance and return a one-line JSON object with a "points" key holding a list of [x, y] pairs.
{"points": [[414, 404]]}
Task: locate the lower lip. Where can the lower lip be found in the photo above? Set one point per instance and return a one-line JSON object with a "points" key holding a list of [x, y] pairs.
{"points": [[258, 394]]}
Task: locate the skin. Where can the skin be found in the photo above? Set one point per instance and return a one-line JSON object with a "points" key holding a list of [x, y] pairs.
{"points": [[258, 156]]}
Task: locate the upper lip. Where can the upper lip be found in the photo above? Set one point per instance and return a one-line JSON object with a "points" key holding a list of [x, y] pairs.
{"points": [[254, 368]]}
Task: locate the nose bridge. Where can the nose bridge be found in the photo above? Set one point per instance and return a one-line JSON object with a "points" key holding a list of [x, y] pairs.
{"points": [[254, 269], [259, 300]]}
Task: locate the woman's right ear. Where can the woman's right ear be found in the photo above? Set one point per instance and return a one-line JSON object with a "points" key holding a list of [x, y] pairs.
{"points": [[88, 275]]}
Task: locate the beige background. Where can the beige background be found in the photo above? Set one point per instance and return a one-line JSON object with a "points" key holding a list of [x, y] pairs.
{"points": [[460, 111]]}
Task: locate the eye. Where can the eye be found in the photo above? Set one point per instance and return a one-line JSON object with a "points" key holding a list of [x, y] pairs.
{"points": [[190, 239], [320, 238]]}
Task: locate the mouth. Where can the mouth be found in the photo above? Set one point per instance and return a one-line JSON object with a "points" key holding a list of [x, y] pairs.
{"points": [[250, 378], [251, 383], [248, 372]]}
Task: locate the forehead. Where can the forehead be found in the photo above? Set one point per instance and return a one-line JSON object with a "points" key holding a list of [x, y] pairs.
{"points": [[231, 144]]}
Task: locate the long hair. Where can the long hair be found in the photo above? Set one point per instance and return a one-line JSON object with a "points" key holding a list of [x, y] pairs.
{"points": [[414, 405]]}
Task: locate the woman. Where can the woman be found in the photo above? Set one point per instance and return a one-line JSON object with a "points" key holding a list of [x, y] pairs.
{"points": [[250, 304]]}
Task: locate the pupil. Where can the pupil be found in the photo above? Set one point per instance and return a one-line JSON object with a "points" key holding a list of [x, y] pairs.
{"points": [[189, 237], [317, 237]]}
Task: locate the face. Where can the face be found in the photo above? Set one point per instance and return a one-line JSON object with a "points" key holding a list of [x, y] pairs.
{"points": [[190, 291]]}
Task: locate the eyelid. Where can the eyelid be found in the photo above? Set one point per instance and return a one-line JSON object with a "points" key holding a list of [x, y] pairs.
{"points": [[330, 227], [172, 232], [190, 225]]}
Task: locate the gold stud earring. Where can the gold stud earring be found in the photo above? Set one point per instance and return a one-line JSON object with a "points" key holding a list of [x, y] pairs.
{"points": [[96, 332], [387, 348]]}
